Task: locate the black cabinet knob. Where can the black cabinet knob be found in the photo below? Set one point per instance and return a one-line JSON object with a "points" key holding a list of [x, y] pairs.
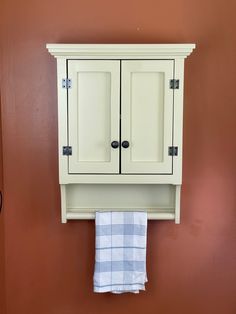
{"points": [[114, 144], [125, 144]]}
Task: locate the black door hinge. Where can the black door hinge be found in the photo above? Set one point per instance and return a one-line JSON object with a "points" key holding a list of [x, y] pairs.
{"points": [[66, 83], [174, 84], [67, 150], [173, 151]]}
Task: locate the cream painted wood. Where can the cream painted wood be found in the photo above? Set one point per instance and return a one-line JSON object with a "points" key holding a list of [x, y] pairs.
{"points": [[160, 201], [157, 200], [106, 196], [62, 120], [94, 105], [147, 116], [178, 119], [121, 51], [121, 179], [63, 203], [84, 213], [177, 204], [167, 186]]}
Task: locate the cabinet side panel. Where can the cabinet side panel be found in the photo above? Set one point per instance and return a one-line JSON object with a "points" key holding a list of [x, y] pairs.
{"points": [[62, 119], [178, 120], [177, 203]]}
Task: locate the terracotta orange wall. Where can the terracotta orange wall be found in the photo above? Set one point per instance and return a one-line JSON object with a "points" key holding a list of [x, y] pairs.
{"points": [[49, 266], [2, 232]]}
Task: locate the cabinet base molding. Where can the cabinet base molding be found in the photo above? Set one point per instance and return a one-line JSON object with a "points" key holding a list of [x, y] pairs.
{"points": [[81, 201]]}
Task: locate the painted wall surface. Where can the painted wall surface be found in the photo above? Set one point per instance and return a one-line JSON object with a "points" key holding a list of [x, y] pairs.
{"points": [[49, 266], [2, 231]]}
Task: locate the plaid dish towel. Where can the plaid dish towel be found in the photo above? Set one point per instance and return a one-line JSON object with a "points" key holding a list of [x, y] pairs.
{"points": [[120, 260]]}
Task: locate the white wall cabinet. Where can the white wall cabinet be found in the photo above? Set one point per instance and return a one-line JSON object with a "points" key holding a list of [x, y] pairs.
{"points": [[120, 112]]}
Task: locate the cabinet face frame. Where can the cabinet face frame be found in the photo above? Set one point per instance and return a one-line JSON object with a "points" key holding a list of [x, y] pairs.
{"points": [[66, 178], [89, 80]]}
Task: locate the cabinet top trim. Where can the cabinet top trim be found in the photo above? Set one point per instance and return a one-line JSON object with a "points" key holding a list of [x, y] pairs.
{"points": [[121, 51]]}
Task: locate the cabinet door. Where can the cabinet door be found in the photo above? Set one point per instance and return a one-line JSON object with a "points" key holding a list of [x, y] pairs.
{"points": [[147, 116], [93, 115]]}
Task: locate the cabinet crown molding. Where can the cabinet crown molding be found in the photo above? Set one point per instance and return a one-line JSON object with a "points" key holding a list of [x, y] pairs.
{"points": [[123, 51]]}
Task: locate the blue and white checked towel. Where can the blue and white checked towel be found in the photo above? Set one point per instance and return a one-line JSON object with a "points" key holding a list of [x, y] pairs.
{"points": [[120, 261]]}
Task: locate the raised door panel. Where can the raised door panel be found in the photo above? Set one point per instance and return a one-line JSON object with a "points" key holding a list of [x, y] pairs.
{"points": [[147, 116], [93, 115]]}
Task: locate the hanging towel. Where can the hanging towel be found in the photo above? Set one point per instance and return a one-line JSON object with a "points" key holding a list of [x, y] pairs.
{"points": [[120, 259]]}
